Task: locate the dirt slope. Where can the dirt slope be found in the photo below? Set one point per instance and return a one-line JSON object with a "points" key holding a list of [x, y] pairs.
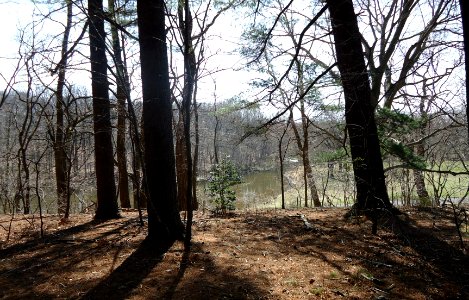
{"points": [[249, 255]]}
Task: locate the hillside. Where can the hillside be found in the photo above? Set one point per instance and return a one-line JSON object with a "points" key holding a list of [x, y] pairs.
{"points": [[248, 255]]}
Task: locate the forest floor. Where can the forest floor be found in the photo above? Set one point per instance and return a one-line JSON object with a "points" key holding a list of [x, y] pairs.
{"points": [[247, 255]]}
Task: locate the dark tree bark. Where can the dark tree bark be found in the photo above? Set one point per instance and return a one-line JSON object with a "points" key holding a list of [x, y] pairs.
{"points": [[359, 112], [464, 5], [121, 113], [184, 163], [106, 188], [190, 69], [164, 222], [181, 162], [60, 155], [195, 158], [281, 156], [215, 133]]}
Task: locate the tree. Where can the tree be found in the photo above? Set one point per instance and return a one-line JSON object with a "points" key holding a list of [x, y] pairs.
{"points": [[303, 141], [359, 111], [464, 6], [104, 161], [121, 95], [290, 87], [222, 177], [164, 222], [60, 155], [281, 157]]}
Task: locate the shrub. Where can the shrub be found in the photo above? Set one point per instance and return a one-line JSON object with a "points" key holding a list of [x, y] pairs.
{"points": [[223, 177]]}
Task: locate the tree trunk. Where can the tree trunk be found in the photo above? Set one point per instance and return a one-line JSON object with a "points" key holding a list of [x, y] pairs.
{"points": [[215, 133], [282, 186], [303, 148], [60, 155], [359, 112], [464, 6], [303, 144], [181, 163], [195, 159], [104, 161], [419, 179], [164, 222], [183, 147], [187, 93], [311, 183], [281, 156], [121, 113]]}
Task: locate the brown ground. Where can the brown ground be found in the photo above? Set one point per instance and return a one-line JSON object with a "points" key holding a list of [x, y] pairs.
{"points": [[263, 255]]}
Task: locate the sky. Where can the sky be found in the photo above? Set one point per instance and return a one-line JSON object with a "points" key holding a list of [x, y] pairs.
{"points": [[223, 40], [12, 15], [16, 14]]}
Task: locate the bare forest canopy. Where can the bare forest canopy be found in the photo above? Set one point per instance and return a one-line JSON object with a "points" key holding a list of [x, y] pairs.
{"points": [[172, 149], [109, 105]]}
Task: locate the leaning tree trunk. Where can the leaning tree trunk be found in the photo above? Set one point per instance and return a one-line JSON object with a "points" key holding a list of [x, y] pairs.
{"points": [[359, 112], [164, 222], [104, 160]]}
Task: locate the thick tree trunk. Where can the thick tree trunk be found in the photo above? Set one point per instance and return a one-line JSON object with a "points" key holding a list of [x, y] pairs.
{"points": [[359, 112], [104, 161], [60, 155], [464, 6], [164, 222], [121, 112]]}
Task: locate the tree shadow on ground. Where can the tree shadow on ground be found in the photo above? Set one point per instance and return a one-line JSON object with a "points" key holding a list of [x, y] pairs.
{"points": [[26, 267], [80, 263], [200, 278], [433, 267], [447, 258], [63, 235], [126, 277]]}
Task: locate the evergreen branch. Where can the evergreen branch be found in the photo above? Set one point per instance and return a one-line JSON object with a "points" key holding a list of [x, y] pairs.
{"points": [[298, 48], [271, 121]]}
